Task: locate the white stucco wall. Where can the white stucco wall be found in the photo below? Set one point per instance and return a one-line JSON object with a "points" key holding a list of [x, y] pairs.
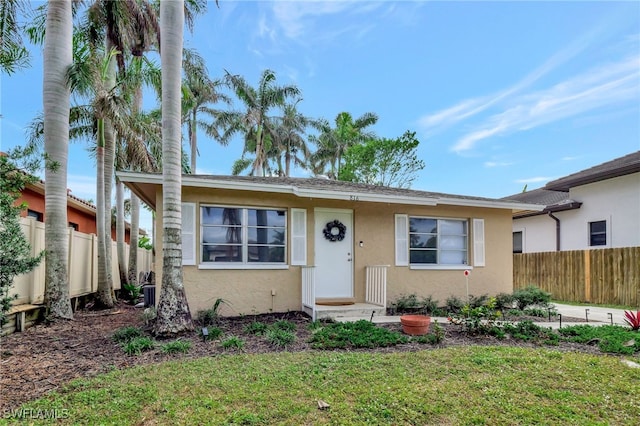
{"points": [[615, 200]]}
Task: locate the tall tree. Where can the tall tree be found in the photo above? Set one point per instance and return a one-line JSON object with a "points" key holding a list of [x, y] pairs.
{"points": [[200, 95], [57, 59], [254, 122], [385, 162], [13, 54], [173, 315], [290, 145], [332, 142]]}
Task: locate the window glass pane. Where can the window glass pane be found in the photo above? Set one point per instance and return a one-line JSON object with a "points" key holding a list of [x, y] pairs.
{"points": [[221, 234], [598, 233], [598, 227], [266, 236], [453, 227], [453, 257], [517, 242], [423, 256], [423, 225], [423, 241], [448, 242], [266, 254], [222, 253], [266, 217], [221, 216]]}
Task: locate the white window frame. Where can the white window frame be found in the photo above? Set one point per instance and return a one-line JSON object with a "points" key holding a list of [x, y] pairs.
{"points": [[607, 234], [439, 266], [245, 264]]}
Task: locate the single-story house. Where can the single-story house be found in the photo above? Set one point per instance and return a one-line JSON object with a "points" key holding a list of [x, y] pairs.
{"points": [[274, 244], [598, 207]]}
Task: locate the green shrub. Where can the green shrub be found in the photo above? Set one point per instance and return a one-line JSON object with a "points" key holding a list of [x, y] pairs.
{"points": [[131, 292], [126, 334], [610, 338], [435, 337], [407, 302], [528, 331], [477, 301], [280, 338], [478, 320], [233, 342], [531, 295], [256, 327], [360, 334], [138, 345], [177, 346], [515, 313], [429, 305], [504, 301], [213, 333], [536, 312], [283, 325], [454, 305], [210, 316]]}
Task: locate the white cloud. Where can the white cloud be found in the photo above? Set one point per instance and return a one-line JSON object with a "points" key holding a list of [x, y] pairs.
{"points": [[569, 158], [497, 164], [535, 179]]}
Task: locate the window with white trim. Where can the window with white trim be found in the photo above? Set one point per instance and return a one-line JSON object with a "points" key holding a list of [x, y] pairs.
{"points": [[517, 242], [438, 241], [243, 235]]}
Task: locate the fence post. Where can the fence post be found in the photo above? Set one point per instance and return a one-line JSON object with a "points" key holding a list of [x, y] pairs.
{"points": [[587, 276]]}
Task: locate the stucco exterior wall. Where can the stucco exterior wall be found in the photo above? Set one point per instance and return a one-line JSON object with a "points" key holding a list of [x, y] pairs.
{"points": [[250, 291], [615, 200]]}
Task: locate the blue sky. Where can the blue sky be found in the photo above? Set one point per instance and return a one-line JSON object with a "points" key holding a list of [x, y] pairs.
{"points": [[501, 94]]}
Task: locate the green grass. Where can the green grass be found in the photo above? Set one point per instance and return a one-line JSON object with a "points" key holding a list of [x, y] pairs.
{"points": [[609, 338], [461, 386], [359, 334], [177, 347]]}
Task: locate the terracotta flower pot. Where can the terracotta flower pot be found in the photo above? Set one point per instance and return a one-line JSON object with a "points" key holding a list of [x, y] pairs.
{"points": [[415, 325]]}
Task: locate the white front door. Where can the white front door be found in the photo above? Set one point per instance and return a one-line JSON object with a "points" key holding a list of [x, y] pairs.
{"points": [[334, 253]]}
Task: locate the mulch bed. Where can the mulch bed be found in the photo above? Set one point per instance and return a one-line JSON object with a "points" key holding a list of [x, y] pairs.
{"points": [[45, 357]]}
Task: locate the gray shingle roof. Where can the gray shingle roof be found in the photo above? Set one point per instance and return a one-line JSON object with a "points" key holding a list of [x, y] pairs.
{"points": [[540, 196], [617, 167]]}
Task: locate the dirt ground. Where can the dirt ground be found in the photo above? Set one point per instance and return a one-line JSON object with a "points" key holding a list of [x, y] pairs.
{"points": [[45, 357]]}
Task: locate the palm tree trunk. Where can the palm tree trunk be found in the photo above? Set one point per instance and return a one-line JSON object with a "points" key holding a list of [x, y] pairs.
{"points": [[103, 295], [109, 158], [173, 315], [120, 231], [57, 59], [193, 141], [133, 242]]}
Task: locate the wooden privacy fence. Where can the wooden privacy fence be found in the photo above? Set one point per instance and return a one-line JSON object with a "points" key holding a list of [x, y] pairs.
{"points": [[83, 264], [610, 276]]}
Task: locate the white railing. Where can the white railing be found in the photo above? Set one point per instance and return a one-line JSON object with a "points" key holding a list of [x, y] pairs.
{"points": [[309, 289], [376, 285]]}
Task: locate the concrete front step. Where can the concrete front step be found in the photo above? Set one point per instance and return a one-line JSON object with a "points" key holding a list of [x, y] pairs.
{"points": [[357, 310]]}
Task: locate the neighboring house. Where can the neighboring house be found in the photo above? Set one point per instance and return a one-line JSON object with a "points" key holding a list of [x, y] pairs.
{"points": [[595, 208], [80, 213], [272, 244]]}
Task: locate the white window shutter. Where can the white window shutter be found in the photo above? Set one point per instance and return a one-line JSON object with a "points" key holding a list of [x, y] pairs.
{"points": [[188, 233], [402, 240], [298, 237], [478, 242]]}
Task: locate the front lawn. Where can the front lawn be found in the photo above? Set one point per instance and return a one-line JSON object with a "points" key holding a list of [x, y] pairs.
{"points": [[458, 385]]}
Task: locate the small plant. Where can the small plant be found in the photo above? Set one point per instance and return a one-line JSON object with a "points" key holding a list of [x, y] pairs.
{"points": [[531, 295], [610, 338], [315, 325], [454, 305], [478, 320], [504, 301], [149, 315], [138, 345], [256, 327], [359, 334], [177, 346], [283, 325], [435, 337], [233, 342], [477, 301], [210, 316], [536, 312], [429, 305], [126, 334], [406, 303], [131, 292], [280, 338], [633, 319], [213, 333]]}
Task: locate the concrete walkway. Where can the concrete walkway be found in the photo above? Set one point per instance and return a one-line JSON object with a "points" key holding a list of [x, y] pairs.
{"points": [[596, 315]]}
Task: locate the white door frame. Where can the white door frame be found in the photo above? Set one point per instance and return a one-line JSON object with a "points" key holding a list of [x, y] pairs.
{"points": [[346, 281]]}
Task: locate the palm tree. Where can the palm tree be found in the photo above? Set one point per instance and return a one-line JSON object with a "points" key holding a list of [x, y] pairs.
{"points": [[254, 122], [173, 315], [13, 54], [199, 94], [57, 59], [333, 142], [290, 144]]}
